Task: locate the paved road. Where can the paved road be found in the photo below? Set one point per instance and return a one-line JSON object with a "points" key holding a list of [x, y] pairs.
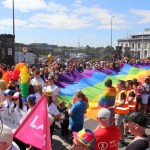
{"points": [[59, 144]]}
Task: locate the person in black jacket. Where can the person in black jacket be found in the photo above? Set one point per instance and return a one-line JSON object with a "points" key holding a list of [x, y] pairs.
{"points": [[64, 120]]}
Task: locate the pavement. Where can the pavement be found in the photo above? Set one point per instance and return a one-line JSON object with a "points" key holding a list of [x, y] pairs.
{"points": [[59, 144]]}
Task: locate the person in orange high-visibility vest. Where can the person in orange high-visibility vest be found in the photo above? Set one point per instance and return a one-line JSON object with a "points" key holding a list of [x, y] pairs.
{"points": [[131, 96], [121, 109]]}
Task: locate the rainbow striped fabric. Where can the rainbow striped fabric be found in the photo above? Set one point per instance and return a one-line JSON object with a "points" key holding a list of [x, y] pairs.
{"points": [[107, 98], [91, 82]]}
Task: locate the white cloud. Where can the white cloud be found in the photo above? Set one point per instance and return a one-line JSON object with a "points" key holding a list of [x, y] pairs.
{"points": [[7, 23], [25, 5], [144, 14], [61, 21], [79, 17], [54, 7], [59, 16]]}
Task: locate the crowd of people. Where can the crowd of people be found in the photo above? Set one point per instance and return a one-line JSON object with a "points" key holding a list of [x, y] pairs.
{"points": [[123, 109]]}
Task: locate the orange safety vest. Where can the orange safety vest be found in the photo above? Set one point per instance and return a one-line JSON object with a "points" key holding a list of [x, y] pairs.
{"points": [[132, 104], [124, 109]]}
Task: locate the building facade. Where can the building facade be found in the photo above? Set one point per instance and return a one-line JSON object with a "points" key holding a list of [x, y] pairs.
{"points": [[138, 44], [7, 50]]}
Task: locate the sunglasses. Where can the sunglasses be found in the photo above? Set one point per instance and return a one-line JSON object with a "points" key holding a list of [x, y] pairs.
{"points": [[15, 99], [50, 78]]}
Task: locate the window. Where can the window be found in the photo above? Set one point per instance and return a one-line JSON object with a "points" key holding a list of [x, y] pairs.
{"points": [[122, 44], [126, 45], [145, 53], [132, 46], [139, 45], [145, 45]]}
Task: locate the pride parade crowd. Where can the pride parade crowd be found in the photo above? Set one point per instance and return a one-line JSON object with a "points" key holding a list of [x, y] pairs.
{"points": [[123, 109]]}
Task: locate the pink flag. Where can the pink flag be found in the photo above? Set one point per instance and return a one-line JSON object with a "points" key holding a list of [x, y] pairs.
{"points": [[34, 130]]}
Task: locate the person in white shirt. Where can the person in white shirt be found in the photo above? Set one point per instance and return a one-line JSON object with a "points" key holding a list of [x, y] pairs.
{"points": [[53, 88], [52, 109], [19, 108], [37, 79], [6, 140], [38, 91], [8, 103]]}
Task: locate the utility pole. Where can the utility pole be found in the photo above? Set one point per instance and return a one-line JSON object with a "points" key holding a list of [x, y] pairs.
{"points": [[111, 37], [13, 27]]}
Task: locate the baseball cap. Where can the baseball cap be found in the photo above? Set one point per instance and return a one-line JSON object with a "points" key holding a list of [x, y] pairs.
{"points": [[16, 95], [8, 92], [31, 97], [48, 92], [137, 118], [85, 136], [104, 114]]}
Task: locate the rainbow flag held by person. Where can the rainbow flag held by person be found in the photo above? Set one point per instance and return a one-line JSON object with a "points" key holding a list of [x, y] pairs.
{"points": [[107, 98], [91, 82]]}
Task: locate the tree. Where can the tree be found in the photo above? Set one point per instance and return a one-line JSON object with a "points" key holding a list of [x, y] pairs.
{"points": [[119, 52]]}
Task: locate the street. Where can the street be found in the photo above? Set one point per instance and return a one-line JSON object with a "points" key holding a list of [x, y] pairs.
{"points": [[59, 144]]}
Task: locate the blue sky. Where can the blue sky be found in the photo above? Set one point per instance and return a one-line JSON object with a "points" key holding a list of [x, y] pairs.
{"points": [[63, 22]]}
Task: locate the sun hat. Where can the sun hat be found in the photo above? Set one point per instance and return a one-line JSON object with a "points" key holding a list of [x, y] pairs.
{"points": [[48, 92], [104, 114], [85, 136]]}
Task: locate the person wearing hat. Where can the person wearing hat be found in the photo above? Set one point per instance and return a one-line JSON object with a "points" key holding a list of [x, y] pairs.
{"points": [[8, 102], [103, 132], [31, 99], [137, 123], [21, 111], [52, 109], [54, 88], [83, 140], [18, 104]]}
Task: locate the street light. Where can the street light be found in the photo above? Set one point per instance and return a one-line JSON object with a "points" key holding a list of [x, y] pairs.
{"points": [[111, 36], [13, 13], [13, 18]]}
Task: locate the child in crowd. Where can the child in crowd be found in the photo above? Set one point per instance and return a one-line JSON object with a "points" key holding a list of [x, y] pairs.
{"points": [[64, 121]]}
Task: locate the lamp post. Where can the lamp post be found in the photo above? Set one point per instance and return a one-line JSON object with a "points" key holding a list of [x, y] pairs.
{"points": [[13, 18], [13, 13], [111, 36]]}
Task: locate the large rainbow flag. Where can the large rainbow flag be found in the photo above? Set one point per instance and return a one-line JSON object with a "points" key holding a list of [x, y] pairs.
{"points": [[91, 82]]}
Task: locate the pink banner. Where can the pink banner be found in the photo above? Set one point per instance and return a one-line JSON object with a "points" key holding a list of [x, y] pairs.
{"points": [[34, 130]]}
